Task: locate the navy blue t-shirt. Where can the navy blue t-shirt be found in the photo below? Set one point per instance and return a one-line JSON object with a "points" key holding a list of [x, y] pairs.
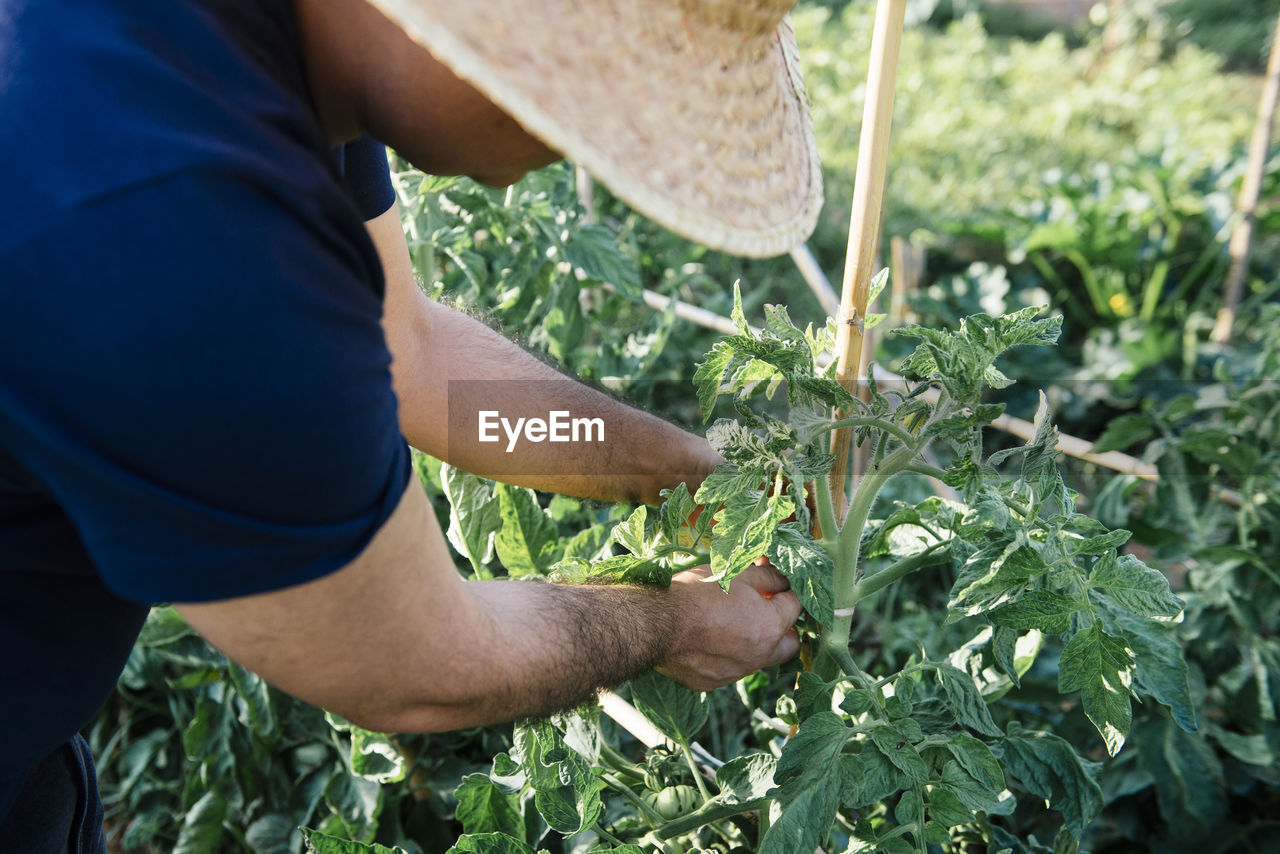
{"points": [[195, 397]]}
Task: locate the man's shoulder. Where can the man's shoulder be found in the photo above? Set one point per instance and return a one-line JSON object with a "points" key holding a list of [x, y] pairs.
{"points": [[97, 96]]}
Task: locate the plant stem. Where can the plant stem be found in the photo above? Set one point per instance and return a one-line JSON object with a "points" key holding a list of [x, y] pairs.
{"points": [[697, 775], [895, 571], [716, 811], [826, 513], [926, 470], [631, 797], [899, 433]]}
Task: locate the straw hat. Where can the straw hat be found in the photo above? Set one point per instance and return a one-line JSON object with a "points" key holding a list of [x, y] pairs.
{"points": [[692, 111]]}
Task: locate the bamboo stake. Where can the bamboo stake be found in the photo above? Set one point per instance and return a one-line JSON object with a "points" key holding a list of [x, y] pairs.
{"points": [[1242, 238], [864, 225]]}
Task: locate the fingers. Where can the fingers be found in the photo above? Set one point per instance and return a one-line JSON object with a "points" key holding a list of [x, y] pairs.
{"points": [[764, 578]]}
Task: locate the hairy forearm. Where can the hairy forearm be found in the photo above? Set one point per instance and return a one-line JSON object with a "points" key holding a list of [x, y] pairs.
{"points": [[543, 648], [449, 368]]}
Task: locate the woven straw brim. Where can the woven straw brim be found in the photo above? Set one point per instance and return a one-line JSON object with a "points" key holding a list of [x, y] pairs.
{"points": [[700, 128]]}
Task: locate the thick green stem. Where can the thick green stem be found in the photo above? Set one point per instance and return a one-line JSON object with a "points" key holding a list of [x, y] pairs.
{"points": [[897, 570], [826, 512], [714, 811], [899, 433]]}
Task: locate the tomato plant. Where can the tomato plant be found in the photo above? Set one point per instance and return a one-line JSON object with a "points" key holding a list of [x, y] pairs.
{"points": [[930, 751]]}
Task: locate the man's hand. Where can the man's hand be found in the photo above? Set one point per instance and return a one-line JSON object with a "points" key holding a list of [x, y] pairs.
{"points": [[728, 636]]}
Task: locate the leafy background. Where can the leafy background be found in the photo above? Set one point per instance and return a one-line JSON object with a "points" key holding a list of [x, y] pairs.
{"points": [[1096, 175]]}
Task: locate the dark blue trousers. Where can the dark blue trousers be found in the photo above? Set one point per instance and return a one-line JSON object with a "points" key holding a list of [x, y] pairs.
{"points": [[58, 810]]}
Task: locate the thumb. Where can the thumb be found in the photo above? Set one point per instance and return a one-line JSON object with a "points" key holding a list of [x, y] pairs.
{"points": [[766, 580]]}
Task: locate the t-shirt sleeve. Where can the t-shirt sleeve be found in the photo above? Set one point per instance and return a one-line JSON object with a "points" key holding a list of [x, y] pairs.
{"points": [[205, 387], [366, 175]]}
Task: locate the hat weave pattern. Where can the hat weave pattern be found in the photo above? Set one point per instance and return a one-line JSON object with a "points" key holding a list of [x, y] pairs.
{"points": [[692, 112]]}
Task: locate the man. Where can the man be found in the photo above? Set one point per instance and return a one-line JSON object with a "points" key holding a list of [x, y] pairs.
{"points": [[207, 381]]}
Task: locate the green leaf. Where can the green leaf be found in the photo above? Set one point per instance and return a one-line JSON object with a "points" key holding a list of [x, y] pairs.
{"points": [[475, 516], [677, 506], [489, 843], [201, 831], [1187, 774], [746, 778], [808, 567], [484, 807], [969, 791], [256, 697], [1160, 668], [164, 625], [965, 700], [1050, 769], [993, 575], [897, 748], [676, 711], [1045, 610], [744, 530], [323, 843], [1134, 586], [806, 786], [626, 569], [869, 778], [566, 789], [945, 808], [977, 759], [375, 757], [1100, 667], [593, 249], [1122, 432], [630, 533], [709, 377], [527, 539]]}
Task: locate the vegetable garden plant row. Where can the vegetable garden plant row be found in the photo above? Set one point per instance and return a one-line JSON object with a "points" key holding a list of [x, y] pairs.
{"points": [[897, 762]]}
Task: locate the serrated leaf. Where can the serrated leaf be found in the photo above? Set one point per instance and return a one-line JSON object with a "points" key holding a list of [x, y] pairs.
{"points": [[527, 540], [746, 778], [1123, 432], [868, 778], [897, 748], [484, 807], [677, 506], [1187, 775], [676, 711], [475, 516], [375, 757], [566, 789], [744, 530], [201, 831], [968, 790], [1045, 610], [1134, 586], [323, 843], [1160, 668], [630, 533], [489, 843], [709, 377], [996, 574], [1100, 667], [628, 569], [963, 697], [945, 808], [809, 569], [810, 792], [1051, 769], [594, 250], [976, 758]]}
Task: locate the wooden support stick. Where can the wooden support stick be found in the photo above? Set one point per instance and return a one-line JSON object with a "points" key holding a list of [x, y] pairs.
{"points": [[1242, 237], [864, 225]]}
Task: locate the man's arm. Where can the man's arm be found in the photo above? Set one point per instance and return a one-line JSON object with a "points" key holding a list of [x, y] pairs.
{"points": [[433, 345], [396, 640]]}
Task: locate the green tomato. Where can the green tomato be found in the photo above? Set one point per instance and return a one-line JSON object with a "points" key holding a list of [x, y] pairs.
{"points": [[674, 801]]}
